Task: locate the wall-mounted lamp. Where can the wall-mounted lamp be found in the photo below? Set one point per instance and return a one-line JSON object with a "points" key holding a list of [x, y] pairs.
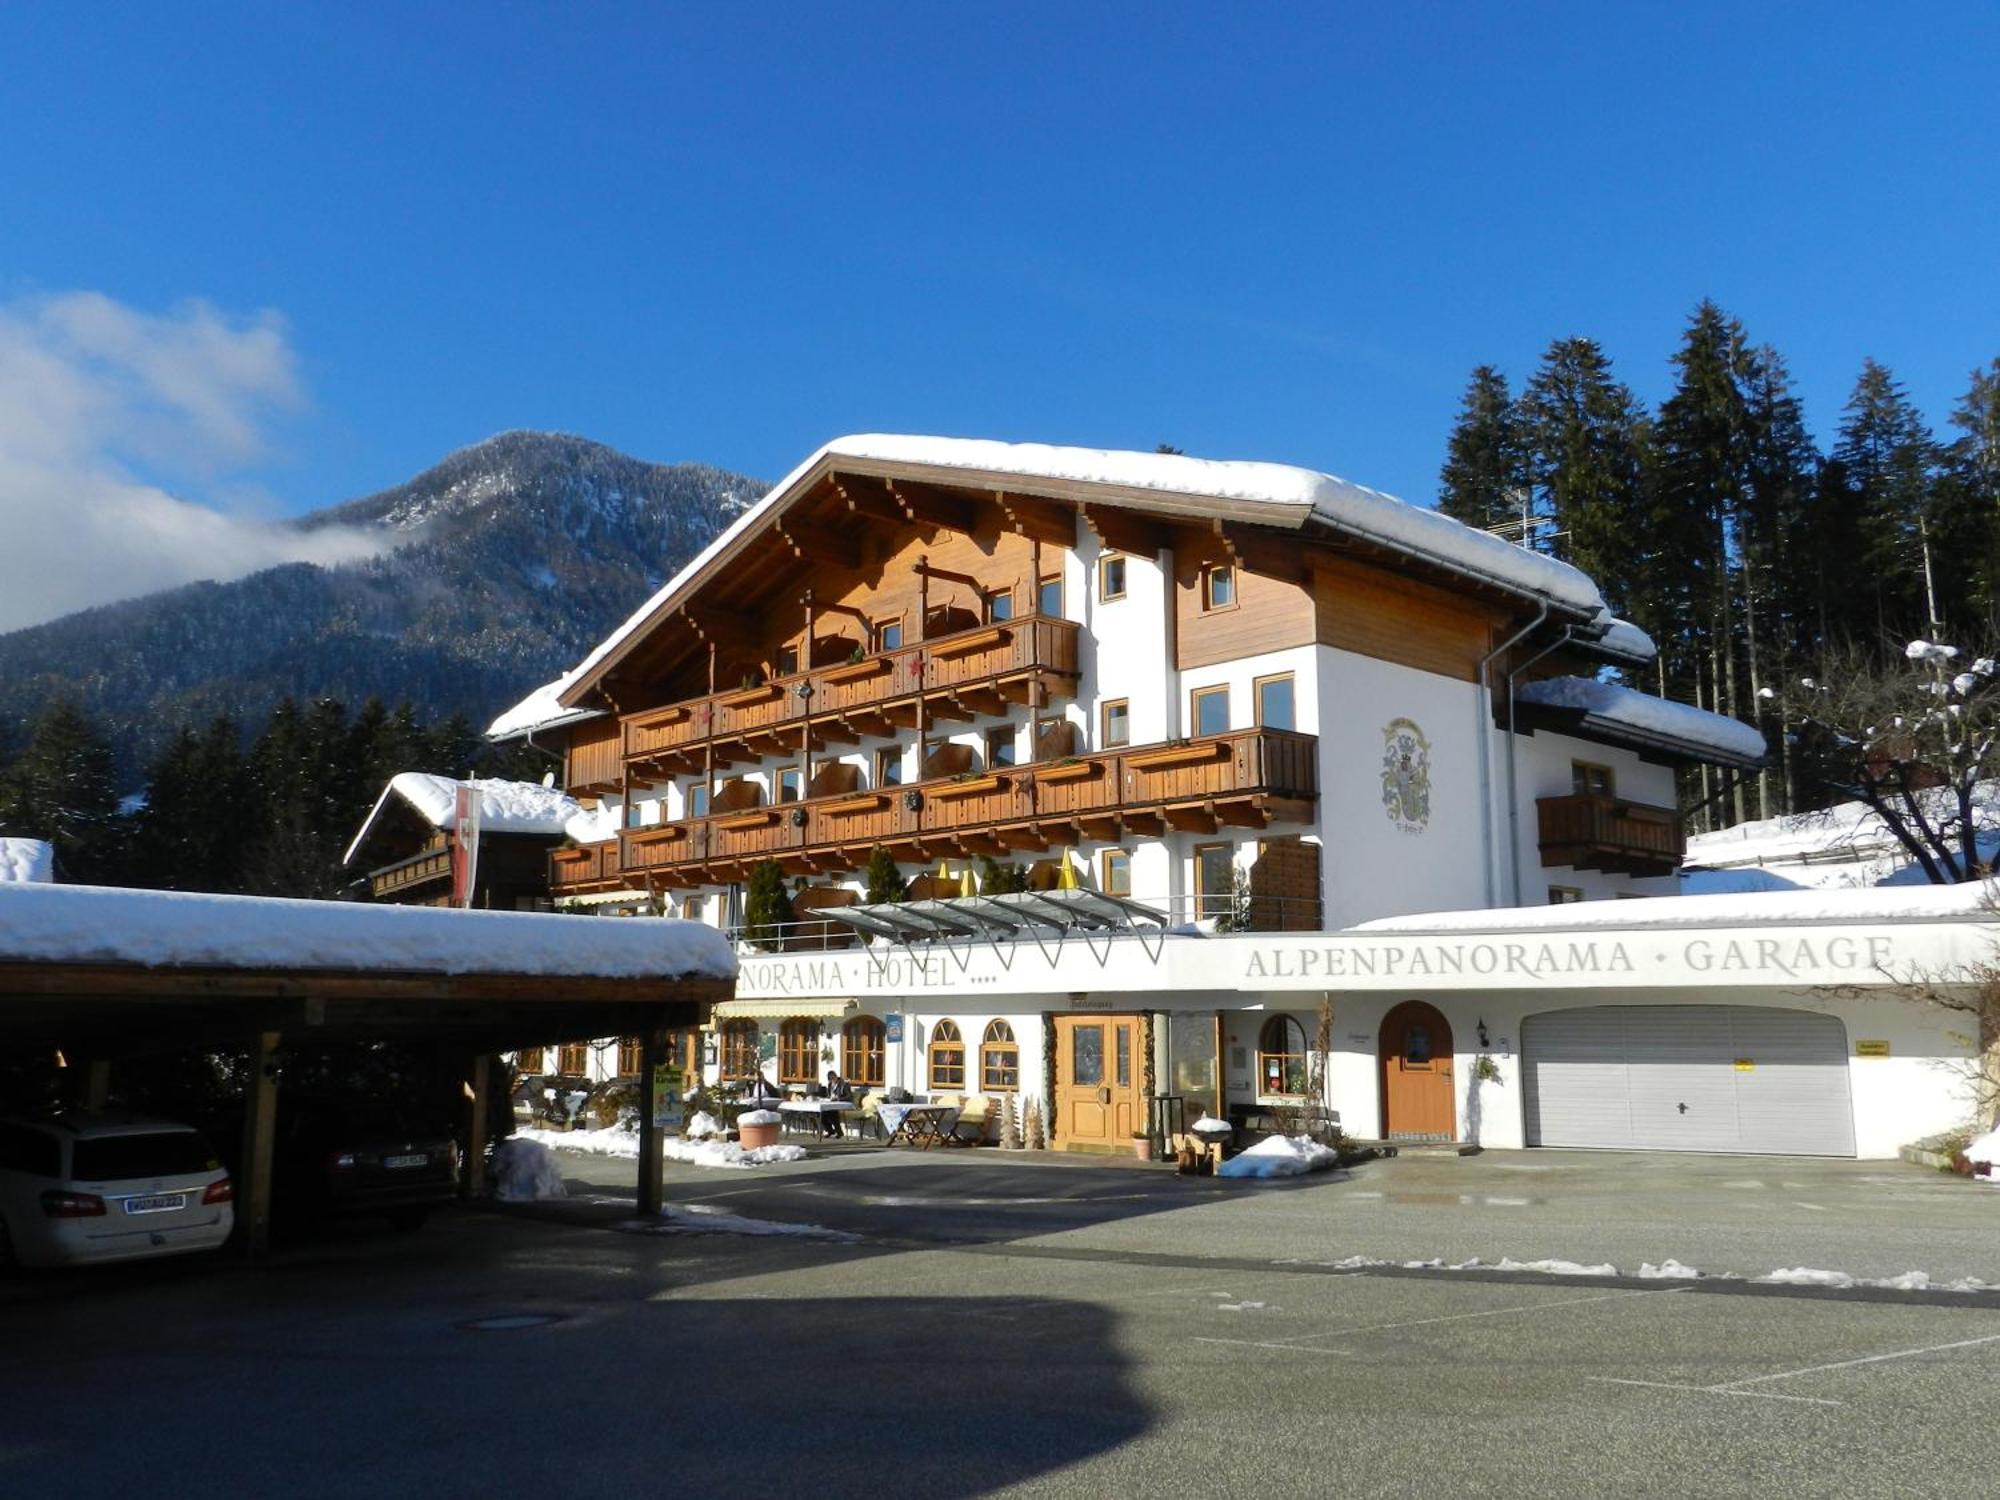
{"points": [[1482, 1031]]}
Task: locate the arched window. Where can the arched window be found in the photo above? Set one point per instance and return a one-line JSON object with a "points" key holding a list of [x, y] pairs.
{"points": [[999, 1060], [947, 1056], [861, 1050], [739, 1050], [798, 1051], [1281, 1057]]}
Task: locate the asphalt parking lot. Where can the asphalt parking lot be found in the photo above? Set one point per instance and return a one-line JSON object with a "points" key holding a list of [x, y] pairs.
{"points": [[564, 1350]]}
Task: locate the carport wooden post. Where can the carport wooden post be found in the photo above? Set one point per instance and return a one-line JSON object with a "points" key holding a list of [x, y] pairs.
{"points": [[97, 1083], [652, 1156], [260, 1125], [472, 1184]]}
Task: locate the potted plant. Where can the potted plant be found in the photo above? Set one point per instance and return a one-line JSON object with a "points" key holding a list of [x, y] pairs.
{"points": [[1142, 1145]]}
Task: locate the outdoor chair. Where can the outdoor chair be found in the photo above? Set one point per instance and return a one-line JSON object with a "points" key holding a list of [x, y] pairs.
{"points": [[973, 1116]]}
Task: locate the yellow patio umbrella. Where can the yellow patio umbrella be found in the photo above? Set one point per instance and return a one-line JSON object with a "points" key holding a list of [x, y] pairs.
{"points": [[1066, 874], [966, 885]]}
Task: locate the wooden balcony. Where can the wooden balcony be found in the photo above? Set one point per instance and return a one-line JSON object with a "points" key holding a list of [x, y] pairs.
{"points": [[1247, 779], [984, 670], [1591, 831], [398, 879], [583, 867]]}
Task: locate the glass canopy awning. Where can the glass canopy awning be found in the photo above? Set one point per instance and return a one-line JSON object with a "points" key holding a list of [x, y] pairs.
{"points": [[1037, 915]]}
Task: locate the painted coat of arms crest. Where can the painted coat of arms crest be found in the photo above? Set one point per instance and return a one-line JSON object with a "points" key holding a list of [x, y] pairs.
{"points": [[1406, 775]]}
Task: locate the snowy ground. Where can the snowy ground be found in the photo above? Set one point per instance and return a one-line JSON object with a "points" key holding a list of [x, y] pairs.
{"points": [[625, 1143]]}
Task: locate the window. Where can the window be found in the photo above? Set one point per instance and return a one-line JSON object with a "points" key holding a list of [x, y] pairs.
{"points": [[1563, 895], [886, 635], [789, 783], [947, 1056], [529, 1060], [1214, 880], [739, 1050], [573, 1060], [1048, 596], [999, 606], [1117, 719], [630, 1055], [1218, 587], [889, 767], [1208, 710], [1274, 703], [693, 909], [632, 815], [1111, 576], [788, 660], [999, 1060], [697, 800], [1000, 747], [1586, 779], [1117, 876], [798, 1052], [861, 1050], [1281, 1057]]}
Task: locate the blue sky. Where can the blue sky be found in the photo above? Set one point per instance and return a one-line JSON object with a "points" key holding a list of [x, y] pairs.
{"points": [[728, 232]]}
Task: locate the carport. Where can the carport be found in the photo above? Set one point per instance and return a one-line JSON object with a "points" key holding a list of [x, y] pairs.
{"points": [[111, 976]]}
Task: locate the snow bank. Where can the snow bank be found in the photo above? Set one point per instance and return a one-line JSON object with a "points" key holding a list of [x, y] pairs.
{"points": [[26, 860], [1939, 903], [1289, 494], [1984, 1151], [1552, 1267], [175, 929], [1645, 717], [708, 1152], [524, 1172], [703, 1126], [1279, 1156], [1668, 1270]]}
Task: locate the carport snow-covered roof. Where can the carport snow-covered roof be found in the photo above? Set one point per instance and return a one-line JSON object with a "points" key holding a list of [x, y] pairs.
{"points": [[165, 930], [23, 861], [1619, 715], [1935, 903], [504, 807], [1278, 495]]}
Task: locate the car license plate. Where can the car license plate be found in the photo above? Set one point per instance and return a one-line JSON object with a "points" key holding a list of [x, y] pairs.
{"points": [[159, 1203], [419, 1160]]}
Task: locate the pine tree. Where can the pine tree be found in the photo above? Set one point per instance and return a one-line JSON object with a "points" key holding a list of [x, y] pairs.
{"points": [[881, 880], [1886, 457], [1484, 479], [195, 830], [1583, 434], [60, 789], [1966, 516], [766, 907]]}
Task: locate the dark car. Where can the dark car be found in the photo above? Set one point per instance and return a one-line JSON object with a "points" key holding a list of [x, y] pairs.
{"points": [[360, 1158]]}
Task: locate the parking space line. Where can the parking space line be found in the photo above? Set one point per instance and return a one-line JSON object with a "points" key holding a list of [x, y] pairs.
{"points": [[1868, 1359], [1715, 1390], [1552, 1305]]}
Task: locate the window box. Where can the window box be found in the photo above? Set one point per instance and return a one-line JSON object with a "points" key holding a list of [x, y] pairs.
{"points": [[1178, 755]]}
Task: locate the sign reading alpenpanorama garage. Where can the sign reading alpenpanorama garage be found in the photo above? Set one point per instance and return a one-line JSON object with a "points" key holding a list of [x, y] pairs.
{"points": [[1600, 958]]}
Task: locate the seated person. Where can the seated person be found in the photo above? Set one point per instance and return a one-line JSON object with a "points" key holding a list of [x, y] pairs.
{"points": [[838, 1090]]}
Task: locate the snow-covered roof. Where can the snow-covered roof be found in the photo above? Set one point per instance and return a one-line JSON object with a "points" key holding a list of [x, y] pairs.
{"points": [[1930, 903], [1266, 493], [541, 709], [1623, 641], [1847, 845], [1639, 719], [25, 860], [184, 929], [504, 807]]}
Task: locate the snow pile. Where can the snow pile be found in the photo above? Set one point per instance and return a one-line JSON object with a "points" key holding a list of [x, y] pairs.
{"points": [[703, 1126], [1984, 1151], [1291, 496], [1643, 717], [615, 1140], [26, 860], [1668, 1270], [1940, 903], [621, 1142], [1279, 1156], [172, 929], [698, 1218], [525, 1172], [1551, 1267]]}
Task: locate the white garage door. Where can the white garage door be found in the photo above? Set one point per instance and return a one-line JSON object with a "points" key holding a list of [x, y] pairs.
{"points": [[1688, 1078]]}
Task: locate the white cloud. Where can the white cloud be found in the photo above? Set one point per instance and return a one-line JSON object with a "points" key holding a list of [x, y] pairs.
{"points": [[101, 405]]}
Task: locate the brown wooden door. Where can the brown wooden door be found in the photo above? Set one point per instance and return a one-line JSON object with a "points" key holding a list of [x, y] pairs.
{"points": [[1099, 1094], [1417, 1100]]}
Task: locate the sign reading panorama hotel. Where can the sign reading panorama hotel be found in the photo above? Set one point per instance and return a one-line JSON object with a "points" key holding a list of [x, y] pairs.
{"points": [[1804, 955]]}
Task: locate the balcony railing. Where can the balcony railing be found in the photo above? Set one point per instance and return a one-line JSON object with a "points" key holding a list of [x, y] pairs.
{"points": [[1031, 660], [1592, 831], [582, 866], [1249, 779], [417, 870]]}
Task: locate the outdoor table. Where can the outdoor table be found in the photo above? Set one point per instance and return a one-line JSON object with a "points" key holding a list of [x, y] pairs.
{"points": [[918, 1124], [810, 1114]]}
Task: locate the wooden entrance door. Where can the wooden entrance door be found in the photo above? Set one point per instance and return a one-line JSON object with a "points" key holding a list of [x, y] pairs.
{"points": [[1099, 1092], [1417, 1100]]}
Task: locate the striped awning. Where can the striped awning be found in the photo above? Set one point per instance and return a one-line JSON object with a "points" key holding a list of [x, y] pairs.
{"points": [[803, 1009]]}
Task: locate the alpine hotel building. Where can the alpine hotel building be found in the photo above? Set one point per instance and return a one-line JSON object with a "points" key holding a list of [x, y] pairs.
{"points": [[1219, 715]]}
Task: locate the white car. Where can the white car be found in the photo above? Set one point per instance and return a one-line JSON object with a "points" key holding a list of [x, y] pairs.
{"points": [[77, 1188]]}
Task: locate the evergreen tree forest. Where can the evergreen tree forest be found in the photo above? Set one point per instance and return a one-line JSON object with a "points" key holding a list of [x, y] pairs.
{"points": [[1754, 558], [269, 816]]}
